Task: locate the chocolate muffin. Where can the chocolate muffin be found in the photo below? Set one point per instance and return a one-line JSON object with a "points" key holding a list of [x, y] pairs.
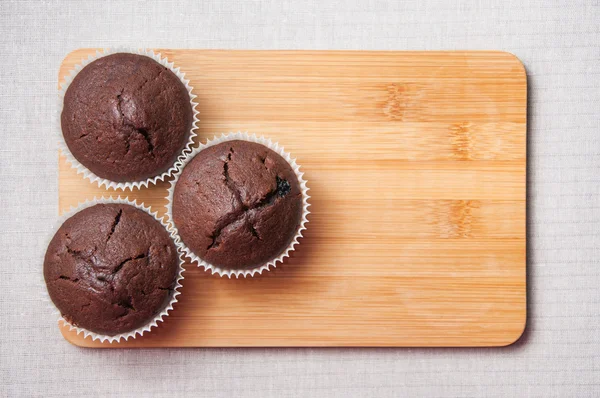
{"points": [[237, 205], [111, 268], [126, 117]]}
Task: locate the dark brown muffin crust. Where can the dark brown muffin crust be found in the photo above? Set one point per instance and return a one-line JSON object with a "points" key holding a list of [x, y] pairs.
{"points": [[126, 117], [111, 268], [237, 204]]}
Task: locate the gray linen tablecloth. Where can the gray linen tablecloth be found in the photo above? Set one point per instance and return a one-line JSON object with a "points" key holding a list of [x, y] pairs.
{"points": [[559, 43]]}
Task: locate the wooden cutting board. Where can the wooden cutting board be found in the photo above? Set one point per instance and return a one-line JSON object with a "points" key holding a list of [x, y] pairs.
{"points": [[416, 163]]}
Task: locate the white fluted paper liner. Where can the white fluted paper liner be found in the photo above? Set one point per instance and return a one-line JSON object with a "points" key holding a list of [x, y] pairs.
{"points": [[159, 317], [285, 253], [81, 169]]}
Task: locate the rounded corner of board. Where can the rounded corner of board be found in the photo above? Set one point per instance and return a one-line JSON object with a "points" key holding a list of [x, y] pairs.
{"points": [[518, 64], [72, 337], [517, 336], [72, 58]]}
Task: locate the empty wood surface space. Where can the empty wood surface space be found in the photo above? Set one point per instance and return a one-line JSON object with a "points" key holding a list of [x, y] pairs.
{"points": [[416, 164]]}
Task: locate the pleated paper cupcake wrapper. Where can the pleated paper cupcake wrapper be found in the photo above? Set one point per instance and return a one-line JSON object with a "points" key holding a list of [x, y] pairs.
{"points": [[152, 323], [81, 169], [285, 253]]}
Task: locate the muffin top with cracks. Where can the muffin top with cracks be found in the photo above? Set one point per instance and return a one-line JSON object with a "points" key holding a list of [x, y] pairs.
{"points": [[237, 205], [126, 117], [111, 268]]}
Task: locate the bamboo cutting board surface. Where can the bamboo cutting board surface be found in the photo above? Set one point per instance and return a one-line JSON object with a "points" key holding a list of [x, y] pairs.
{"points": [[416, 164]]}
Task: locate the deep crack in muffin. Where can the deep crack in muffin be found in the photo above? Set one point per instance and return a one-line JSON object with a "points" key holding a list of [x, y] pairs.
{"points": [[237, 205], [126, 117], [111, 268]]}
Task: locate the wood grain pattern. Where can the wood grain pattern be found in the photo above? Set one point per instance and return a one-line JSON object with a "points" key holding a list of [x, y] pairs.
{"points": [[416, 163]]}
